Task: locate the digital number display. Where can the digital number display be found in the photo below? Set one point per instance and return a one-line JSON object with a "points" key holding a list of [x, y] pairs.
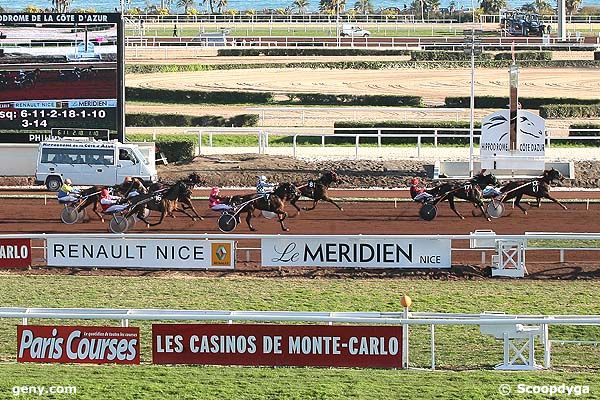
{"points": [[62, 75]]}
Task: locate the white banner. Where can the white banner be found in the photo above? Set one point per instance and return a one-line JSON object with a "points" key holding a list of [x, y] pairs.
{"points": [[140, 253], [494, 147], [349, 252]]}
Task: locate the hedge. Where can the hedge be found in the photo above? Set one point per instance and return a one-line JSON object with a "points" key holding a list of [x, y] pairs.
{"points": [[196, 97], [176, 148], [405, 124], [144, 119], [563, 111], [354, 100], [525, 55], [375, 65], [436, 55], [255, 51], [502, 101]]}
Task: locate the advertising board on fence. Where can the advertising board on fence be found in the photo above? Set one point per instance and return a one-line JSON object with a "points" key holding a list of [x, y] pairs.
{"points": [[78, 344], [15, 253], [272, 345], [140, 253], [344, 252]]}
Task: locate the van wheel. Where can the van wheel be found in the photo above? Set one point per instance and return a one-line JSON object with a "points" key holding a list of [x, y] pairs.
{"points": [[366, 35], [53, 183]]}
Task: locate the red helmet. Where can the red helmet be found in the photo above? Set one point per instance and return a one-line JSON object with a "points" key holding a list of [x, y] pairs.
{"points": [[104, 192], [414, 181], [214, 191]]}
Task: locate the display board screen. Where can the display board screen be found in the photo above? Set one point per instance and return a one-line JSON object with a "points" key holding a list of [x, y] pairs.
{"points": [[60, 76]]}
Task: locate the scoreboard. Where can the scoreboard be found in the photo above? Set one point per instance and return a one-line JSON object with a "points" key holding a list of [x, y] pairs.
{"points": [[63, 76]]}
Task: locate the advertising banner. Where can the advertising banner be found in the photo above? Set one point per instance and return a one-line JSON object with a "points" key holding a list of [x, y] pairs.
{"points": [[78, 344], [15, 253], [272, 345], [348, 252], [140, 253]]}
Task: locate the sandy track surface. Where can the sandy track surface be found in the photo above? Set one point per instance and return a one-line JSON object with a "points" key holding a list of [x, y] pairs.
{"points": [[432, 85]]}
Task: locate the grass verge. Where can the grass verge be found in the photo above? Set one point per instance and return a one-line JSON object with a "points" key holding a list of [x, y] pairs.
{"points": [[456, 347]]}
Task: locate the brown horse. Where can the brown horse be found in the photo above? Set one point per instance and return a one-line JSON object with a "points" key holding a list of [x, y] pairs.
{"points": [[316, 189], [538, 188], [185, 199], [273, 202]]}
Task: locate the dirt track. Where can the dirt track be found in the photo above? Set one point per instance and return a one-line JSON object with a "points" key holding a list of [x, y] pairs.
{"points": [[432, 85], [21, 216]]}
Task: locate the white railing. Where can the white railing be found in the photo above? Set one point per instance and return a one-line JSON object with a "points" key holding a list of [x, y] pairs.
{"points": [[376, 133], [506, 326]]}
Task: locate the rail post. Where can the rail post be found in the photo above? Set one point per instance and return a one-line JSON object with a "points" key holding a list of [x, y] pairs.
{"points": [[419, 146], [379, 137], [295, 137], [356, 140], [432, 347]]}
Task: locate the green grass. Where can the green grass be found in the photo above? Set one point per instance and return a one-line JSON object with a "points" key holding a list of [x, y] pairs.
{"points": [[564, 243], [457, 347]]}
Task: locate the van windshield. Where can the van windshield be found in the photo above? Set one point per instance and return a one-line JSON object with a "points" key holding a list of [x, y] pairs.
{"points": [[140, 156]]}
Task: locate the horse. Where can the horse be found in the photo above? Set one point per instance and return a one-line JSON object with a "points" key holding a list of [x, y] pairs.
{"points": [[272, 202], [185, 199], [538, 188], [88, 197], [155, 201], [316, 189], [470, 191]]}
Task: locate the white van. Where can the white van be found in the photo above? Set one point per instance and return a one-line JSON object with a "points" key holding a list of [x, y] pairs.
{"points": [[90, 162], [354, 31]]}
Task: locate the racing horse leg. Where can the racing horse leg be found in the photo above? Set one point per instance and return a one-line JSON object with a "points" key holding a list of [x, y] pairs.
{"points": [[281, 215], [483, 210], [330, 200], [187, 205], [453, 207], [249, 219], [547, 196], [518, 202]]}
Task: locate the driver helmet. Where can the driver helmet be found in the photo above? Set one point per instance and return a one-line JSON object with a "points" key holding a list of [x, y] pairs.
{"points": [[262, 178], [104, 192], [128, 179], [214, 191], [68, 181], [414, 181]]}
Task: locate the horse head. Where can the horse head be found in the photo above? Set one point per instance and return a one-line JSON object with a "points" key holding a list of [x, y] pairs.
{"points": [[553, 176], [486, 180], [329, 177], [195, 179], [285, 191]]}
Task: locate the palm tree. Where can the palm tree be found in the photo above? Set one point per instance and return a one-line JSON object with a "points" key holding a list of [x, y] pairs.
{"points": [[61, 6], [492, 6], [221, 4], [572, 5], [186, 4], [332, 5], [300, 5], [543, 7], [363, 6]]}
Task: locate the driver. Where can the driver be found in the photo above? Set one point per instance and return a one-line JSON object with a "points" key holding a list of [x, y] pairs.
{"points": [[262, 186], [214, 201], [110, 204], [132, 187], [67, 193], [417, 191]]}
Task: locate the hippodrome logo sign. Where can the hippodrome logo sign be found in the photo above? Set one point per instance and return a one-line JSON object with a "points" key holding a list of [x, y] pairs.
{"points": [[272, 345], [78, 344], [147, 253], [346, 251]]}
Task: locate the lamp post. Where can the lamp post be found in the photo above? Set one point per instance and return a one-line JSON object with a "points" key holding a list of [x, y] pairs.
{"points": [[337, 23], [472, 47]]}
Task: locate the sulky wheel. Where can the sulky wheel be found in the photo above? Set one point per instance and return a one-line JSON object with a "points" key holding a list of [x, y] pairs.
{"points": [[428, 212], [227, 222], [131, 222], [69, 215], [495, 209], [118, 224]]}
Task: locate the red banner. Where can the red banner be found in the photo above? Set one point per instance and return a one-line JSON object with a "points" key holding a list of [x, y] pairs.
{"points": [[78, 344], [15, 253], [290, 345]]}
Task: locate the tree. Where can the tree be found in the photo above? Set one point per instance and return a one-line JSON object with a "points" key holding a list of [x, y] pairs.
{"points": [[186, 5], [572, 5], [492, 6], [332, 5], [61, 6], [363, 6], [300, 5], [221, 4]]}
